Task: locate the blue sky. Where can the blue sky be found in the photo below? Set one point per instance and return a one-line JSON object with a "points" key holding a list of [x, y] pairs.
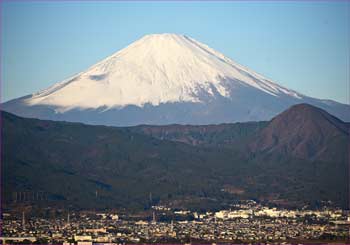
{"points": [[304, 46]]}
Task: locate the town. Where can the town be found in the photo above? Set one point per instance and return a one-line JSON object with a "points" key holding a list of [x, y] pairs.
{"points": [[246, 222]]}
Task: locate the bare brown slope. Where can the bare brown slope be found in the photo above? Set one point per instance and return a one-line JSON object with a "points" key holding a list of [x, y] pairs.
{"points": [[306, 132]]}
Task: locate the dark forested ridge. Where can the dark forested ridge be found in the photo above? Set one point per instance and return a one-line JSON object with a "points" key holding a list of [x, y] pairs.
{"points": [[299, 157], [220, 135]]}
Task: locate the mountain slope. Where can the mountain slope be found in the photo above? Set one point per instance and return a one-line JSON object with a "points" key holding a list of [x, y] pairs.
{"points": [[221, 135], [303, 131], [70, 161], [164, 79], [306, 132], [153, 70]]}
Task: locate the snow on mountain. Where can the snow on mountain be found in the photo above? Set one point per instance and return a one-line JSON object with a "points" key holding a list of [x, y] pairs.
{"points": [[156, 69], [140, 81]]}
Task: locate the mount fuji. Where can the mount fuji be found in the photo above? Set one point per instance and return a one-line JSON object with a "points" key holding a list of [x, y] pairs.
{"points": [[165, 79]]}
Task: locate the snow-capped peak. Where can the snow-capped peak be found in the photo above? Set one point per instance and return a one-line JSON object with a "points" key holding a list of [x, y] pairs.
{"points": [[158, 68]]}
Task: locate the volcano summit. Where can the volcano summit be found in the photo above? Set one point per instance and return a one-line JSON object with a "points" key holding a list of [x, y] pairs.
{"points": [[163, 79]]}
